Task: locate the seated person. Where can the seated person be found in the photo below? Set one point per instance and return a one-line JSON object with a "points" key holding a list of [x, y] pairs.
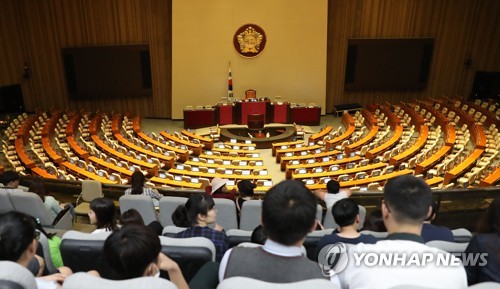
{"points": [[346, 214], [10, 181], [288, 215], [258, 236], [333, 193], [432, 232], [18, 243], [138, 188], [53, 206], [374, 222], [133, 217], [199, 212], [407, 202], [102, 214], [134, 251], [487, 240], [219, 189], [245, 187]]}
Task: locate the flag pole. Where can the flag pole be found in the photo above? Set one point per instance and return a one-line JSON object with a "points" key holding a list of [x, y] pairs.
{"points": [[230, 85]]}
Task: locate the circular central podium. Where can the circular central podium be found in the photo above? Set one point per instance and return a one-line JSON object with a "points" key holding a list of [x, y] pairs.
{"points": [[262, 137], [255, 121]]}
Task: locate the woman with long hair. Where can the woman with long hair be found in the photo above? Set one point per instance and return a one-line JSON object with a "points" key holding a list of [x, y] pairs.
{"points": [[138, 188], [102, 214], [486, 243], [199, 212]]}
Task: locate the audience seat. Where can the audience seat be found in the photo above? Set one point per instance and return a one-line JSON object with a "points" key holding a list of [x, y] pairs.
{"points": [[85, 281], [167, 207], [90, 190], [226, 213], [189, 253], [5, 202], [249, 283], [82, 252], [377, 235], [450, 247], [143, 204], [250, 215], [236, 237], [461, 235], [11, 271], [170, 231], [31, 204]]}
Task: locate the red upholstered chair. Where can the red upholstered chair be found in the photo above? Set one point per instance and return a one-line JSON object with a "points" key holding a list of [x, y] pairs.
{"points": [[250, 93]]}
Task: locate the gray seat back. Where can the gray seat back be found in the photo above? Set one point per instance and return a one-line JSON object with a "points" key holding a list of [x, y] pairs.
{"points": [[5, 202], [143, 204], [31, 204], [14, 272], [249, 283], [251, 212], [167, 207], [226, 213]]}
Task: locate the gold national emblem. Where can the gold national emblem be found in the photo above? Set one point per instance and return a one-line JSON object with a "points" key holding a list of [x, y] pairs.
{"points": [[249, 40]]}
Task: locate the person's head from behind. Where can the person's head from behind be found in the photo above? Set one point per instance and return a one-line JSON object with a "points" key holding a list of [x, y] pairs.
{"points": [[17, 237], [433, 213], [199, 210], [245, 187], [258, 236], [137, 181], [407, 202], [38, 187], [132, 252], [102, 213], [289, 213], [333, 187], [10, 179], [131, 217], [375, 222], [490, 222], [346, 213]]}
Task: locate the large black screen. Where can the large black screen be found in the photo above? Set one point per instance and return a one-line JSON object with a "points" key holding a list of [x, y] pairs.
{"points": [[388, 64], [108, 71]]}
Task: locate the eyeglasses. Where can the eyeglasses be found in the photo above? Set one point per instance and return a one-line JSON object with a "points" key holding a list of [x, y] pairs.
{"points": [[37, 235]]}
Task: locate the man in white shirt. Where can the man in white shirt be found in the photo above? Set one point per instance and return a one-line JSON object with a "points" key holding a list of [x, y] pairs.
{"points": [[288, 214], [407, 202], [333, 193]]}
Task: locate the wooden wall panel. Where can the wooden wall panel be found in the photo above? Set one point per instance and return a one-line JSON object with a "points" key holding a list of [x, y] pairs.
{"points": [[34, 32], [461, 28], [51, 25]]}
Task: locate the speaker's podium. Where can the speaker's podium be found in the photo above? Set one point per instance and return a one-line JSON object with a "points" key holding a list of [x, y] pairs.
{"points": [[256, 121]]}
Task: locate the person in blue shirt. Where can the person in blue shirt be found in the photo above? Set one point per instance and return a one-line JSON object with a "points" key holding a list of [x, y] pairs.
{"points": [[199, 212], [432, 232], [346, 214]]}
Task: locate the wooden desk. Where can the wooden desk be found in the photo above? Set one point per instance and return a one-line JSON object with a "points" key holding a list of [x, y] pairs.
{"points": [[434, 181], [50, 124], [305, 115], [183, 156], [82, 153], [350, 130], [355, 183], [373, 132], [110, 166], [287, 144], [43, 173], [285, 160], [422, 139], [291, 168], [53, 155], [23, 131], [81, 172], [239, 158], [370, 119], [396, 136], [463, 166], [320, 135], [450, 135], [196, 148], [282, 152], [432, 160], [199, 118], [491, 180], [153, 168], [21, 153], [167, 160], [366, 168], [174, 183], [224, 176], [232, 167], [207, 142], [243, 108], [226, 151]]}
